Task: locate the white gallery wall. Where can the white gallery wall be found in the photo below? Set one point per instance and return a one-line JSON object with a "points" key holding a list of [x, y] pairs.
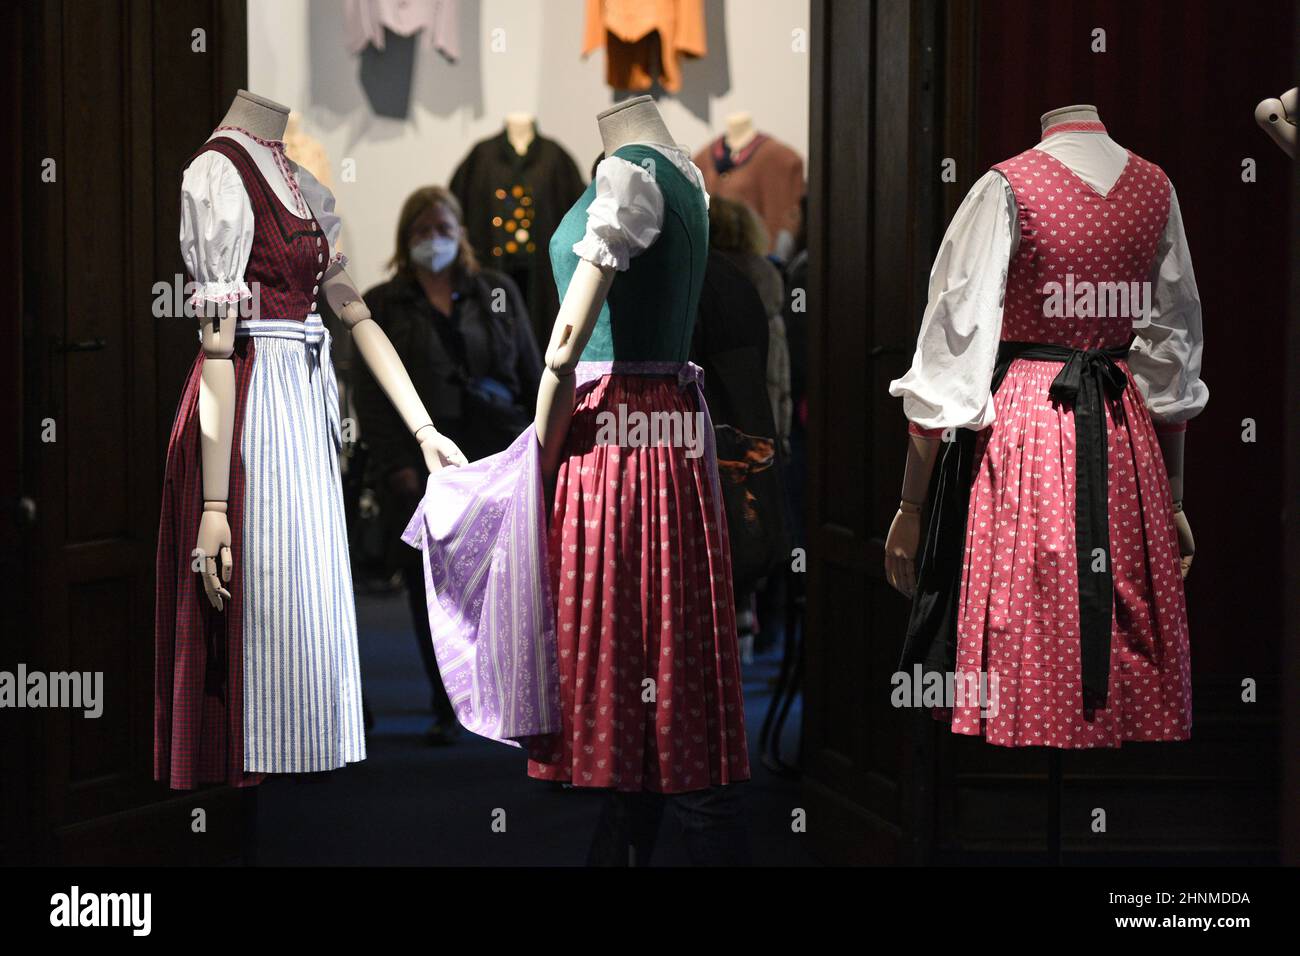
{"points": [[516, 56]]}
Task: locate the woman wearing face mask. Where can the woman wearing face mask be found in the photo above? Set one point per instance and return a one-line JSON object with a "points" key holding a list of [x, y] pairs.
{"points": [[463, 334]]}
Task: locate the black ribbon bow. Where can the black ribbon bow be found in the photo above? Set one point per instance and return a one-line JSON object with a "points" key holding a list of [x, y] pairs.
{"points": [[1087, 380]]}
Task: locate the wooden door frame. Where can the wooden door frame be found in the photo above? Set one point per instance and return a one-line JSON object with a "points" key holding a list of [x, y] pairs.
{"points": [[126, 818], [875, 211], [1290, 683]]}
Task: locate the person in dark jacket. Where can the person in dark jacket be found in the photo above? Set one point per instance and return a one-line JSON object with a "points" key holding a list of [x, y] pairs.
{"points": [[463, 334]]}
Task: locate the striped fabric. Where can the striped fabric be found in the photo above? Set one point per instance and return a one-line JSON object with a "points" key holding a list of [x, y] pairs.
{"points": [[302, 680], [482, 528]]}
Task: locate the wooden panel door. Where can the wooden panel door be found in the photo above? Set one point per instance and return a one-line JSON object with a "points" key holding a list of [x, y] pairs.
{"points": [[872, 217], [115, 95]]}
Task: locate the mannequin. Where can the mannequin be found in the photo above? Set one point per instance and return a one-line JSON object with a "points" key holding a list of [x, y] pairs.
{"points": [[1277, 117], [1055, 544], [636, 120], [740, 131], [260, 673], [307, 151], [629, 582], [521, 128], [748, 165], [267, 119], [1100, 166], [518, 179]]}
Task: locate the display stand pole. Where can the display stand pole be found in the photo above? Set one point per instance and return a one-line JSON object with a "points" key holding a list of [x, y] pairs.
{"points": [[1055, 791]]}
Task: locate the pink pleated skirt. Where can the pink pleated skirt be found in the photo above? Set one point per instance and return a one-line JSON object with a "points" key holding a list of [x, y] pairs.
{"points": [[650, 689]]}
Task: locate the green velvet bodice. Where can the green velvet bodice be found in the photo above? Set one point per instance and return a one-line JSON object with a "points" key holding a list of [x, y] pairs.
{"points": [[649, 315]]}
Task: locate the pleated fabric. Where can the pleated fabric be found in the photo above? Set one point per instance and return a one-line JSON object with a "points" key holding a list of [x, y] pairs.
{"points": [[198, 650], [650, 691], [1019, 614], [302, 679]]}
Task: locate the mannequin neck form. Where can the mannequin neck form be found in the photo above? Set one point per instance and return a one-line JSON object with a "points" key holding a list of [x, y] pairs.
{"points": [[265, 119], [740, 130], [521, 129], [636, 120], [1091, 154], [1069, 114]]}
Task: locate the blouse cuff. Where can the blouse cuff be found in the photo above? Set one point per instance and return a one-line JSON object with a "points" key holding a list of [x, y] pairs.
{"points": [[599, 252], [222, 293]]}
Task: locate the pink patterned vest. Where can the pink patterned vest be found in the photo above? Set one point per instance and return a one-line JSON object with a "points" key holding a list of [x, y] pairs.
{"points": [[1076, 243]]}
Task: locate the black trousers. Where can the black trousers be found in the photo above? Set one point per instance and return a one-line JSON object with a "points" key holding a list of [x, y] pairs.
{"points": [[712, 820], [413, 571]]}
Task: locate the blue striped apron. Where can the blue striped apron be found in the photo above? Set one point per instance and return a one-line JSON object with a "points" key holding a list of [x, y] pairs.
{"points": [[302, 679]]}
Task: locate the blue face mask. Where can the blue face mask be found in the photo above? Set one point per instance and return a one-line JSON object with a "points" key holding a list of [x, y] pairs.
{"points": [[436, 253]]}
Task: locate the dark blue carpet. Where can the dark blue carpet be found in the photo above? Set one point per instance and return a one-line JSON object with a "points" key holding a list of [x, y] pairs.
{"points": [[410, 803]]}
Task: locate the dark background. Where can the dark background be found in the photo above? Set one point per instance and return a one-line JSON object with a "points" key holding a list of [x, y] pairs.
{"points": [[113, 92]]}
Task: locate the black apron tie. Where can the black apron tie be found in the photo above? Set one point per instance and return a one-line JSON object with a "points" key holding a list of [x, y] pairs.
{"points": [[1088, 378]]}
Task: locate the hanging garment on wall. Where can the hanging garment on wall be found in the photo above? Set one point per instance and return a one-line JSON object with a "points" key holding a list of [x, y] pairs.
{"points": [[271, 684], [1051, 557], [766, 174], [644, 40], [512, 204], [636, 558], [437, 22]]}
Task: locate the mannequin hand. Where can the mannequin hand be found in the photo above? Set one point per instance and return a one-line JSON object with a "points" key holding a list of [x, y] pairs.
{"points": [[1186, 544], [439, 450], [900, 552], [214, 547]]}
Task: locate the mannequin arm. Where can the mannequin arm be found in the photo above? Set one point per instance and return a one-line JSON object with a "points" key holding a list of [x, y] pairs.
{"points": [[573, 326], [387, 368], [1171, 448], [904, 538], [216, 431]]}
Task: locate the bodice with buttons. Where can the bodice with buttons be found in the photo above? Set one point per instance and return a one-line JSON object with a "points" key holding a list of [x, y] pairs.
{"points": [[290, 253]]}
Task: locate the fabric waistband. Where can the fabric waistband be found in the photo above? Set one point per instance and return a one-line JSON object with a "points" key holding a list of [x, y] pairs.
{"points": [[689, 376], [311, 330], [687, 373]]}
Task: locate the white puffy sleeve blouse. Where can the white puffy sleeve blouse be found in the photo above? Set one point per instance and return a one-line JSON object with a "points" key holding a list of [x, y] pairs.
{"points": [[949, 383], [217, 222], [627, 214], [216, 229]]}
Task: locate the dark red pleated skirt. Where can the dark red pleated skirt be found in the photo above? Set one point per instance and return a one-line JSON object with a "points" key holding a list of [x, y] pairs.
{"points": [[198, 665], [650, 689]]}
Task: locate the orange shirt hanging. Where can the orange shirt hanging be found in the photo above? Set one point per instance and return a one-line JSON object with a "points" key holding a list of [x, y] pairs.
{"points": [[644, 39]]}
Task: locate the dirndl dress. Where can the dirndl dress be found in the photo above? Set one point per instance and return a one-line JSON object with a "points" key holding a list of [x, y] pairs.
{"points": [[271, 684], [1064, 584], [604, 640]]}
